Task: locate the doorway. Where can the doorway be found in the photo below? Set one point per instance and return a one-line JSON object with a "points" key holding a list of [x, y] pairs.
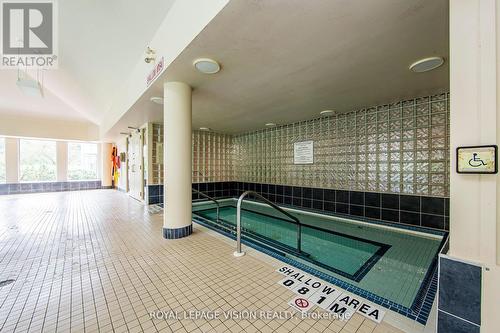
{"points": [[136, 165]]}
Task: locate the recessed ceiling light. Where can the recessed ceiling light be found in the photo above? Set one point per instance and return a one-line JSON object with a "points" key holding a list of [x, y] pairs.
{"points": [[206, 66], [427, 64], [204, 129], [270, 124], [157, 100], [326, 112]]}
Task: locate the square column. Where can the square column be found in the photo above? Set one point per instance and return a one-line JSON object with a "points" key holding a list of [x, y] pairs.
{"points": [[469, 287], [106, 165], [62, 161], [12, 160]]}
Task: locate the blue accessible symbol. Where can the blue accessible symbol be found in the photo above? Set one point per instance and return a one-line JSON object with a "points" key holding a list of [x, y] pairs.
{"points": [[475, 161]]}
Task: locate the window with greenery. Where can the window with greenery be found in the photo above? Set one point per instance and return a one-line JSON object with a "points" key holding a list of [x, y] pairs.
{"points": [[82, 161], [2, 161], [37, 160]]}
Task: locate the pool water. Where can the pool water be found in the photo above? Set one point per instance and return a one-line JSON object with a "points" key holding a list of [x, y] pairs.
{"points": [[388, 262], [315, 243]]}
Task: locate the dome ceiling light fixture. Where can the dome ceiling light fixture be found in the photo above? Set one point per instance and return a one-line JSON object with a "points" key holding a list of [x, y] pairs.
{"points": [[426, 64], [157, 100], [327, 112], [206, 65]]}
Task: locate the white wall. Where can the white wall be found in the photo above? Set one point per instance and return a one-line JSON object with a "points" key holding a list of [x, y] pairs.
{"points": [[498, 133], [48, 128], [475, 100]]}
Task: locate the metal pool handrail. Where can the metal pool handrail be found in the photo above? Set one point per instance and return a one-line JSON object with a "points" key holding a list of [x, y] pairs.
{"points": [[238, 252], [209, 198]]}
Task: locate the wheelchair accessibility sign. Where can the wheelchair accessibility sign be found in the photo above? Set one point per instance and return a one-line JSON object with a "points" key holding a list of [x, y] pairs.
{"points": [[477, 159]]}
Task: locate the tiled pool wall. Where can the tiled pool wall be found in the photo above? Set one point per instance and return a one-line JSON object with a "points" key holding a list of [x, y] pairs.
{"points": [[18, 188], [431, 212], [214, 189], [154, 194], [409, 210]]}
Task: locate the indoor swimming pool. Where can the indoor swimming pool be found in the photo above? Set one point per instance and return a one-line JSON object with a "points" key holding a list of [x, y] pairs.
{"points": [[390, 265]]}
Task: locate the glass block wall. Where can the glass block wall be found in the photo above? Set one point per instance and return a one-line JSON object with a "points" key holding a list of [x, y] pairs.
{"points": [[212, 157], [157, 154], [395, 148]]}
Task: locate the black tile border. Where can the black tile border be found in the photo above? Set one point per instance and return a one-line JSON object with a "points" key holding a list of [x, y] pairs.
{"points": [[400, 209], [177, 233], [44, 187], [389, 201], [460, 289], [154, 194], [450, 324], [411, 210]]}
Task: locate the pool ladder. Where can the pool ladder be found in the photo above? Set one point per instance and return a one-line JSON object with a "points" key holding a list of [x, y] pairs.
{"points": [[238, 252], [209, 198]]}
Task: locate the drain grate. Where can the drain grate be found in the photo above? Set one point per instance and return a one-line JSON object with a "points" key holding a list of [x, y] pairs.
{"points": [[6, 282]]}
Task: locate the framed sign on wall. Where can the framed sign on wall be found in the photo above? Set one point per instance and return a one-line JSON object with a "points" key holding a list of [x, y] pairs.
{"points": [[303, 152], [477, 159]]}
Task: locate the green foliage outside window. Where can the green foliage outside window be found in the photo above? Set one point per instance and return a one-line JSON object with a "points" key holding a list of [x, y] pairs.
{"points": [[82, 161], [37, 160]]}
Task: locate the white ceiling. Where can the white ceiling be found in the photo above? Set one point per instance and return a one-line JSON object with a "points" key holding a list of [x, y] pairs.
{"points": [[99, 41], [14, 102], [282, 60], [285, 61]]}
